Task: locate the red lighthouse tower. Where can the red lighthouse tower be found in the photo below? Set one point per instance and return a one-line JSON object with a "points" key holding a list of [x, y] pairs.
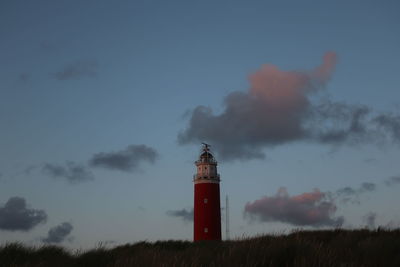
{"points": [[207, 212]]}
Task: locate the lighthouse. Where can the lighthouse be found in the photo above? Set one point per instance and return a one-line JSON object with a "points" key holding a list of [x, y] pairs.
{"points": [[207, 211]]}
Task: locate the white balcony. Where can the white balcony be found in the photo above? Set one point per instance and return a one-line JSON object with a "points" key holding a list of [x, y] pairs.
{"points": [[206, 177], [206, 160]]}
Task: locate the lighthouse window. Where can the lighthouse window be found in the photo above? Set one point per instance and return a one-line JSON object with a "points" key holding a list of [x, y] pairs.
{"points": [[205, 200], [206, 230]]}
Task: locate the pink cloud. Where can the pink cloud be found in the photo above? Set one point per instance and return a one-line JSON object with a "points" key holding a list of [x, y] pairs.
{"points": [[307, 209]]}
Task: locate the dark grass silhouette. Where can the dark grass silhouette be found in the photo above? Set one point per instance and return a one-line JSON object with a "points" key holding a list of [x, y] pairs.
{"points": [[380, 247]]}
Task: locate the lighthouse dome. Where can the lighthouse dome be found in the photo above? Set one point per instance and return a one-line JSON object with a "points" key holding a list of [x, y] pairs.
{"points": [[206, 156]]}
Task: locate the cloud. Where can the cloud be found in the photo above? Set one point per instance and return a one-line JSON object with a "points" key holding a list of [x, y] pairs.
{"points": [[29, 169], [346, 191], [270, 113], [370, 160], [367, 187], [141, 208], [72, 172], [348, 194], [58, 233], [280, 107], [128, 159], [77, 70], [390, 123], [24, 77], [186, 215], [313, 209], [16, 216], [392, 180], [338, 123], [370, 219], [364, 187]]}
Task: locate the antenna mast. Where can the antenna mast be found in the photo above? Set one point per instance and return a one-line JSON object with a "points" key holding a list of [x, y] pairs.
{"points": [[227, 217]]}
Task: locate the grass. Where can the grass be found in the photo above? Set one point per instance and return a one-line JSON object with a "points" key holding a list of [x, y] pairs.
{"points": [[301, 248]]}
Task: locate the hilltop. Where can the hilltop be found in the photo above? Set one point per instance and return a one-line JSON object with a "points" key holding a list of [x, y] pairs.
{"points": [[380, 247]]}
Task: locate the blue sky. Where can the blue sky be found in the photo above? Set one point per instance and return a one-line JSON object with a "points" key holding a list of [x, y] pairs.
{"points": [[80, 79]]}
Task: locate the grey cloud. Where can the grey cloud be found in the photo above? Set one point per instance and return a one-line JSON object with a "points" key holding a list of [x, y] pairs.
{"points": [[72, 172], [128, 159], [390, 123], [370, 160], [184, 214], [348, 194], [58, 233], [272, 112], [367, 187], [245, 127], [392, 180], [346, 191], [16, 216], [280, 108], [338, 123], [24, 77], [28, 170], [77, 70], [370, 219], [313, 209]]}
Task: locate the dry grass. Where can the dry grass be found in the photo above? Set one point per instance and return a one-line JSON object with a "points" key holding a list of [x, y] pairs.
{"points": [[302, 248]]}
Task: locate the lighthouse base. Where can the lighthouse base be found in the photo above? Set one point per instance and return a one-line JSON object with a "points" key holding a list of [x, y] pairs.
{"points": [[207, 211]]}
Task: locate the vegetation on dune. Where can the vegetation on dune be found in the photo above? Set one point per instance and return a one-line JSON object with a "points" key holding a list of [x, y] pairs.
{"points": [[301, 248]]}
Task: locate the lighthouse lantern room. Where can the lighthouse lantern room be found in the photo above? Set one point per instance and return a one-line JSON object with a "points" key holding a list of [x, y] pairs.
{"points": [[207, 212]]}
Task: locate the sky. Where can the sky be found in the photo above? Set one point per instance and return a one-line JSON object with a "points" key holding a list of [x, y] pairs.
{"points": [[104, 105]]}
